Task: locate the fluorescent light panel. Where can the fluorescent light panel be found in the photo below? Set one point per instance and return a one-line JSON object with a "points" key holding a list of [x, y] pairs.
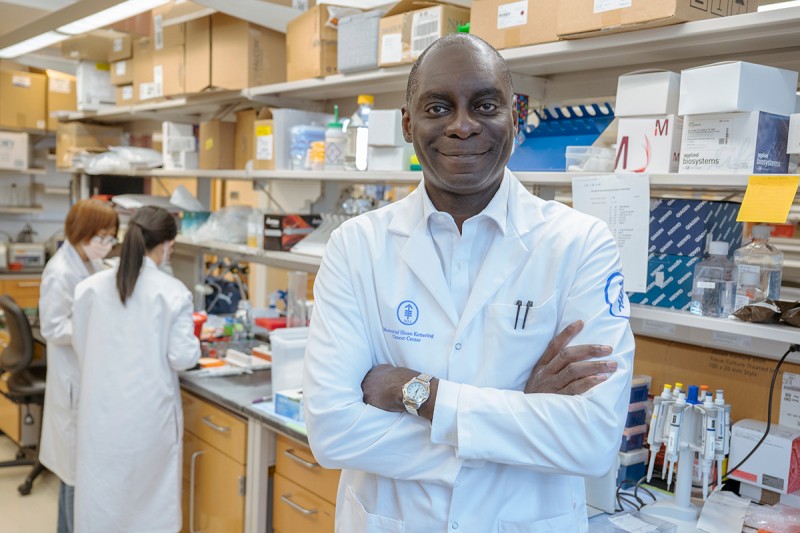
{"points": [[121, 11], [31, 45]]}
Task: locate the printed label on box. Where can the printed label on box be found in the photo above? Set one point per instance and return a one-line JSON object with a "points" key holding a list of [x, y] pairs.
{"points": [[121, 68], [147, 91], [21, 81], [731, 340], [708, 133], [264, 142], [513, 14], [601, 6], [118, 44], [424, 30], [663, 328], [127, 92], [59, 85], [158, 80], [158, 31], [392, 48], [41, 124]]}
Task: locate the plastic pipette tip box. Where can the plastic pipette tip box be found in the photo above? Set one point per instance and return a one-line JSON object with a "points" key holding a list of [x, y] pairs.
{"points": [[637, 414], [640, 388], [633, 438]]}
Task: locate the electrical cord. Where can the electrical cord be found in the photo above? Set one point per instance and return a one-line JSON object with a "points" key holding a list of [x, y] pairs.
{"points": [[792, 348]]}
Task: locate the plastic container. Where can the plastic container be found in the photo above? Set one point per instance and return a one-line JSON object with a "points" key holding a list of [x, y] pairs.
{"points": [[633, 465], [335, 143], [589, 159], [302, 136], [714, 291], [761, 257], [633, 438], [640, 388], [749, 290], [637, 414], [355, 157], [255, 229]]}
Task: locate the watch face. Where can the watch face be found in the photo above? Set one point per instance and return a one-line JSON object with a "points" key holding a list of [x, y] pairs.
{"points": [[416, 391]]}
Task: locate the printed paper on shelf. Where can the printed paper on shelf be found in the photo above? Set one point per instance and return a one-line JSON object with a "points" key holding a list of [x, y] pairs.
{"points": [[513, 14], [601, 6], [59, 85], [392, 48], [424, 30]]}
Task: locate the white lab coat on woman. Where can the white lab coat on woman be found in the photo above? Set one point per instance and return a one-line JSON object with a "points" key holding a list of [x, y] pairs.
{"points": [[130, 421], [57, 444], [494, 459]]}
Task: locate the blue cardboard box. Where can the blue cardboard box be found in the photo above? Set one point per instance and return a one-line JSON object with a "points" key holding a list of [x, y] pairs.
{"points": [[669, 281], [682, 227]]}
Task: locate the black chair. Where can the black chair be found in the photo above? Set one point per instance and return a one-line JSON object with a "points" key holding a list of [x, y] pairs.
{"points": [[25, 382]]}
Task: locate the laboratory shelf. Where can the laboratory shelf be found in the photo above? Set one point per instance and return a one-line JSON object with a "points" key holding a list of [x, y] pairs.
{"points": [[20, 210], [24, 171], [283, 260], [761, 340]]}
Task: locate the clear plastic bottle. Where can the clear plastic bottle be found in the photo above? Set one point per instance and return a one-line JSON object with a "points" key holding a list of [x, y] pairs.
{"points": [[255, 229], [244, 315], [714, 291], [355, 157], [749, 290], [762, 258], [335, 143]]}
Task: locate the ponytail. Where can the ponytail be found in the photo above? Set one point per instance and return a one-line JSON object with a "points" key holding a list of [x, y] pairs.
{"points": [[148, 228]]}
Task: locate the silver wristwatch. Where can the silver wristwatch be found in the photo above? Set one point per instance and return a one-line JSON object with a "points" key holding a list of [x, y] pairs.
{"points": [[416, 392]]}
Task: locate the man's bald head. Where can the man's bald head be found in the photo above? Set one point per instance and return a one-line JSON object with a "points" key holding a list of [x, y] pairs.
{"points": [[456, 39]]}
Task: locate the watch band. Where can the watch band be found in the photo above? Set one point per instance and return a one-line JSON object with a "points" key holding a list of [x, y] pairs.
{"points": [[411, 406]]}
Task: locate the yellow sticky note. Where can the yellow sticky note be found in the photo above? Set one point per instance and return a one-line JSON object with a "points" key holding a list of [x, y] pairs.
{"points": [[263, 131], [768, 199], [210, 143]]}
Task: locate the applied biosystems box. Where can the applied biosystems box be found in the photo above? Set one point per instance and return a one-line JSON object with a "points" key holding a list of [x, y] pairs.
{"points": [[682, 227], [737, 143]]}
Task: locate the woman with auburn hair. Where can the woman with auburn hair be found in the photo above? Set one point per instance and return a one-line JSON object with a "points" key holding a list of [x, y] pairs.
{"points": [[91, 229], [133, 332]]}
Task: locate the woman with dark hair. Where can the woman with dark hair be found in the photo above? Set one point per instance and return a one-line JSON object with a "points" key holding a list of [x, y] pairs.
{"points": [[90, 229], [133, 331]]}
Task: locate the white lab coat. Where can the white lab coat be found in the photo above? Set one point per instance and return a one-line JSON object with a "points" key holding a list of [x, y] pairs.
{"points": [[130, 421], [494, 459], [57, 444]]}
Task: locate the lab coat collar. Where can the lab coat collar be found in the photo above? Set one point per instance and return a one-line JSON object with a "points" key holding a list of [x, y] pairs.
{"points": [[74, 258], [496, 210], [149, 262]]}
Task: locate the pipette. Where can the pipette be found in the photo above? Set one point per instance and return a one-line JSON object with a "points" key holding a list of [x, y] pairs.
{"points": [[674, 440], [709, 412], [655, 437]]}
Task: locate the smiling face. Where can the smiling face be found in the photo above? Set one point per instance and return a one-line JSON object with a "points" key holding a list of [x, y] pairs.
{"points": [[461, 119]]}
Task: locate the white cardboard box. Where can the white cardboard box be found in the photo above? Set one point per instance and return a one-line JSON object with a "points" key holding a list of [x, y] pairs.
{"points": [[386, 127], [648, 145], [647, 93], [793, 145], [389, 158], [737, 143], [737, 86], [178, 146], [14, 150], [770, 467], [93, 86]]}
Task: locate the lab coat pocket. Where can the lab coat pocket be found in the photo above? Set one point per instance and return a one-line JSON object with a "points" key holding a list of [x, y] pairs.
{"points": [[574, 522], [354, 517], [513, 343]]}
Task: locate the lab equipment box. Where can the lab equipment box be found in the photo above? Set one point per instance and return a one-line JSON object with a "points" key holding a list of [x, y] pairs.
{"points": [[281, 232], [386, 128], [22, 100], [633, 438], [735, 143], [358, 41], [637, 414], [94, 88], [736, 86], [682, 227], [669, 281], [649, 144], [61, 96], [644, 93], [14, 150], [122, 72], [512, 23], [640, 388], [774, 465], [289, 403]]}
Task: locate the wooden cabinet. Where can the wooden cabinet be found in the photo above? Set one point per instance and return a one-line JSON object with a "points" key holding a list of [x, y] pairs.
{"points": [[9, 413], [25, 291], [304, 496], [214, 457]]}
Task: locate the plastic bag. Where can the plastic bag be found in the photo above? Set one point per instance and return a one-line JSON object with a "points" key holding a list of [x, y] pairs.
{"points": [[139, 157], [229, 224], [106, 163]]}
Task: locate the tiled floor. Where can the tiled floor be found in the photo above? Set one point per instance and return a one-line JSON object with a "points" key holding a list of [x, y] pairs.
{"points": [[34, 513]]}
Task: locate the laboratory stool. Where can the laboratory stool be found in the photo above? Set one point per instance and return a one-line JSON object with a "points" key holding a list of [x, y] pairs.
{"points": [[25, 382]]}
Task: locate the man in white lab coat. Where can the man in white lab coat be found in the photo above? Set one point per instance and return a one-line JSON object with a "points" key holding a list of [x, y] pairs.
{"points": [[430, 374]]}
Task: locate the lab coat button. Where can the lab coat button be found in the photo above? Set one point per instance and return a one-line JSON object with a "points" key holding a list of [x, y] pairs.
{"points": [[458, 346], [454, 525]]}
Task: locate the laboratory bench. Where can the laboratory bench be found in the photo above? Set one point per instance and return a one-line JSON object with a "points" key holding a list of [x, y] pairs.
{"points": [[245, 468]]}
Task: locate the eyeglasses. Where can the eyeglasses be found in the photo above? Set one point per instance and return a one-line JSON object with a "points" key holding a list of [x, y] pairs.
{"points": [[105, 239]]}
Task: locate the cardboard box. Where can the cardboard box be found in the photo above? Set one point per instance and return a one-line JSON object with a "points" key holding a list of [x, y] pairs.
{"points": [[14, 150], [260, 54], [357, 47], [311, 45], [647, 93], [774, 465], [216, 145], [289, 403], [736, 86], [386, 128], [122, 72], [793, 142], [123, 95], [669, 281], [73, 137], [405, 31], [88, 47], [648, 144], [94, 87], [586, 18], [509, 23], [121, 48], [178, 146], [273, 139], [22, 100], [169, 74], [198, 55], [682, 227], [736, 143], [245, 134], [143, 83], [281, 232], [166, 35], [61, 96]]}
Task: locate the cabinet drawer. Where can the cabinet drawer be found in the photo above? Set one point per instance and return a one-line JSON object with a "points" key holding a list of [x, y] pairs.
{"points": [[9, 413], [215, 426], [297, 509], [25, 291], [295, 461]]}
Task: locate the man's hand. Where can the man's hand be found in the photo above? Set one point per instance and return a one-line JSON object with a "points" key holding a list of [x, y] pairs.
{"points": [[565, 370], [383, 388]]}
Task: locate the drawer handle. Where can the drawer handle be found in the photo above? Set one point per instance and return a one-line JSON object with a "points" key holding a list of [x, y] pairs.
{"points": [[288, 501], [193, 463], [222, 429], [296, 458], [28, 284]]}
